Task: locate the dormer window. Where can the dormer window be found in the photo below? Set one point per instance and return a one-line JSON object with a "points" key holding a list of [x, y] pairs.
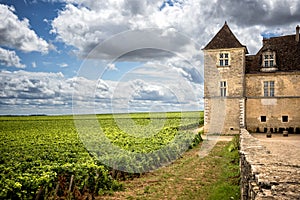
{"points": [[224, 59], [269, 62]]}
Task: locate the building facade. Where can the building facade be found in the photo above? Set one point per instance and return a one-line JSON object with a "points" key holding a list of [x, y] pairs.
{"points": [[259, 92]]}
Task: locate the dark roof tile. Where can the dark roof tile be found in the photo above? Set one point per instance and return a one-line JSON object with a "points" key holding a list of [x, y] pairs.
{"points": [[224, 39], [287, 54]]}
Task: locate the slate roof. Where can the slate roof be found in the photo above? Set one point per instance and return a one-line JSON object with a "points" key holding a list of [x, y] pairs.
{"points": [[287, 54], [224, 39]]}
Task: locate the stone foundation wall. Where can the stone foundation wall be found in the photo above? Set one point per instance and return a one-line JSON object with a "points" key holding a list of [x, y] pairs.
{"points": [[273, 110], [223, 116], [265, 176]]}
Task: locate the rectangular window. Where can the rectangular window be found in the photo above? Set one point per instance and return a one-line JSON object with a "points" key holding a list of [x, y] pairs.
{"points": [[266, 64], [263, 118], [223, 86], [266, 88], [285, 118], [224, 59], [269, 59], [269, 88]]}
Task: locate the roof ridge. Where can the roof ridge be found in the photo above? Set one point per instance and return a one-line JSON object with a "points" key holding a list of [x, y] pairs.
{"points": [[281, 36]]}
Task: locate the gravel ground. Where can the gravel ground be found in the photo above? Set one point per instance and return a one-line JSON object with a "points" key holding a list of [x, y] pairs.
{"points": [[286, 148]]}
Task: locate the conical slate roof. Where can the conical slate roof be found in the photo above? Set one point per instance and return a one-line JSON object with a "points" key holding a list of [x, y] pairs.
{"points": [[224, 39]]}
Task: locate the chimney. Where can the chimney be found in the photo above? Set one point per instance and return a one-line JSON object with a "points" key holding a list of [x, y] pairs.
{"points": [[297, 33], [264, 41]]}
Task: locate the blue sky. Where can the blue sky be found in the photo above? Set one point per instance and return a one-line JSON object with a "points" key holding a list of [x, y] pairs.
{"points": [[38, 15], [65, 56]]}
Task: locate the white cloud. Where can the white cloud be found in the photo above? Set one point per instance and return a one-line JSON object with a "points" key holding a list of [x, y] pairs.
{"points": [[63, 65], [21, 89], [15, 33], [24, 92], [92, 22], [112, 67], [10, 59], [150, 92], [33, 64], [154, 85]]}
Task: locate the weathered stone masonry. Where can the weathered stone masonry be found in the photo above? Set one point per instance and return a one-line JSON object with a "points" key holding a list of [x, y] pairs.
{"points": [[265, 176], [258, 92]]}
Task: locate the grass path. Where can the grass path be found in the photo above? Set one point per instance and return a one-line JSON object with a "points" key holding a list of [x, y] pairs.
{"points": [[215, 176]]}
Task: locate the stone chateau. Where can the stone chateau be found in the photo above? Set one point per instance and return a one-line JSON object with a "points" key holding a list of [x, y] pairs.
{"points": [[258, 92]]}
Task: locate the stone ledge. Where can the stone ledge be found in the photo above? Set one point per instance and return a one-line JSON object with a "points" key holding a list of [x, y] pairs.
{"points": [[263, 175]]}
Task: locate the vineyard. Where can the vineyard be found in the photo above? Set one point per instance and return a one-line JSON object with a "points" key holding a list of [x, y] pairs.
{"points": [[53, 157]]}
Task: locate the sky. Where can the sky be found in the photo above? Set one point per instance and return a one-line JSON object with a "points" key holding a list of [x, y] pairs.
{"points": [[70, 56]]}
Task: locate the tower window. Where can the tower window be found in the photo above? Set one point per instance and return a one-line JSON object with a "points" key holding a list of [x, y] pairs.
{"points": [[263, 119], [285, 118], [269, 88], [224, 59], [223, 87]]}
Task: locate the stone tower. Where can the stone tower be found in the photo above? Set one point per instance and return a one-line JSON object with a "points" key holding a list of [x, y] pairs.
{"points": [[224, 80]]}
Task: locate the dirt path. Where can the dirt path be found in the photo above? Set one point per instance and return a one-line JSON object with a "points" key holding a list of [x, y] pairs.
{"points": [[213, 137], [190, 177], [198, 130]]}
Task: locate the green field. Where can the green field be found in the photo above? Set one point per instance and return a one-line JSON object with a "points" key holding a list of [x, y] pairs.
{"points": [[50, 156]]}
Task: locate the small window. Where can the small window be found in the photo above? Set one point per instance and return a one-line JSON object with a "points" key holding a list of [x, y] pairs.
{"points": [[269, 59], [224, 59], [285, 118], [263, 119], [269, 88], [223, 87]]}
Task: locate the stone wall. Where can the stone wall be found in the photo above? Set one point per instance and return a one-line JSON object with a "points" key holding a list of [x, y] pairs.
{"points": [[265, 176], [285, 103], [273, 110], [286, 84], [224, 114]]}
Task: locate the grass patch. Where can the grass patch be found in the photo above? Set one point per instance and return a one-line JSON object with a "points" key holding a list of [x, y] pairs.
{"points": [[227, 184], [214, 177]]}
